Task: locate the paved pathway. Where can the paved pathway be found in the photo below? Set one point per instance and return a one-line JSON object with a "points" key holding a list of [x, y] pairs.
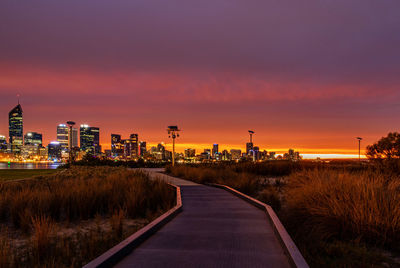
{"points": [[215, 229]]}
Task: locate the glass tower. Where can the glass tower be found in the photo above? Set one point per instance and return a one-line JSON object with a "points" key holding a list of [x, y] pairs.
{"points": [[117, 145], [16, 128], [90, 139], [33, 138], [62, 136]]}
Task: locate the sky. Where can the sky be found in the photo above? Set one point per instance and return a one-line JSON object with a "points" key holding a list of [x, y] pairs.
{"points": [[310, 75]]}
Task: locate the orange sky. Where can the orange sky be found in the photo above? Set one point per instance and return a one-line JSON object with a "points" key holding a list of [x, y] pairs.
{"points": [[311, 77]]}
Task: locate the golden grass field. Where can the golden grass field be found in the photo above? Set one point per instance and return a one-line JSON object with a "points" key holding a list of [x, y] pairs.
{"points": [[338, 216], [70, 217]]}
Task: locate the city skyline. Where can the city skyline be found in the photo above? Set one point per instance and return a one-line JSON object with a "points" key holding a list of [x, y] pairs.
{"points": [[62, 130]]}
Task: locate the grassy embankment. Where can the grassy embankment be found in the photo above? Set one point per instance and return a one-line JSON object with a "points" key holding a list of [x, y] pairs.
{"points": [[339, 214], [17, 174], [69, 218]]}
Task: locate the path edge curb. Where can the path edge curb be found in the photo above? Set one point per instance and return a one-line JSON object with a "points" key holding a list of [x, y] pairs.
{"points": [[124, 248], [296, 259]]}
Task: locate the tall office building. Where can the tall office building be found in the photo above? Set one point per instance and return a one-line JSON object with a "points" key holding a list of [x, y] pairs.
{"points": [[249, 148], [142, 147], [256, 152], [214, 149], [117, 145], [54, 151], [96, 139], [90, 139], [3, 144], [62, 136], [131, 147], [33, 138], [15, 125], [74, 137]]}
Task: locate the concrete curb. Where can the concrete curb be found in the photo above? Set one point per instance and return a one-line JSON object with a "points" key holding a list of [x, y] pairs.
{"points": [[291, 250], [116, 253]]}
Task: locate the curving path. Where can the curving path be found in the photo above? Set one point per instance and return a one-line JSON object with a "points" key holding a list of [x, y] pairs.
{"points": [[215, 229]]}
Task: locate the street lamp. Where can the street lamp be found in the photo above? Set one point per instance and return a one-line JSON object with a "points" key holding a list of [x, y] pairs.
{"points": [[251, 132], [70, 125], [359, 148], [173, 133]]}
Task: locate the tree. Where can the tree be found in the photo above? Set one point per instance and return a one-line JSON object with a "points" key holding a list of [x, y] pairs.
{"points": [[386, 148]]}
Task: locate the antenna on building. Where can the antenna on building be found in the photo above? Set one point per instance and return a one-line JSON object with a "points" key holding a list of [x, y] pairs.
{"points": [[18, 96]]}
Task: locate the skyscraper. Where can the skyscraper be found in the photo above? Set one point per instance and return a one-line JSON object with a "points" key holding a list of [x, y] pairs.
{"points": [[90, 139], [54, 151], [96, 139], [117, 145], [215, 149], [131, 148], [33, 138], [249, 148], [142, 147], [62, 136], [3, 144], [74, 137], [15, 124]]}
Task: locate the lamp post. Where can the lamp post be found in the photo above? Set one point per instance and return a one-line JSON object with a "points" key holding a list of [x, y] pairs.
{"points": [[173, 133], [251, 132], [70, 125], [359, 148]]}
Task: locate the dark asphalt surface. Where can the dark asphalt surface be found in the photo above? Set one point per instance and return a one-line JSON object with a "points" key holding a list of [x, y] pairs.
{"points": [[215, 229]]}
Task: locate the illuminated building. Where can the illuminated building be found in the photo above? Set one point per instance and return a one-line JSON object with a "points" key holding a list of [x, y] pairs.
{"points": [[131, 146], [33, 138], [190, 153], [249, 148], [159, 152], [292, 155], [214, 150], [96, 139], [43, 153], [117, 145], [236, 154], [256, 152], [16, 129], [74, 137], [226, 156], [62, 136], [206, 155], [90, 139], [54, 151], [3, 144], [142, 147]]}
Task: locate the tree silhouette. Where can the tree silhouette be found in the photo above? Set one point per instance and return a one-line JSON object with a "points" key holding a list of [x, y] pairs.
{"points": [[386, 148]]}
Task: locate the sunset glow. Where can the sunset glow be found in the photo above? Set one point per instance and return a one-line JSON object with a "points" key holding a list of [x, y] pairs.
{"points": [[289, 87]]}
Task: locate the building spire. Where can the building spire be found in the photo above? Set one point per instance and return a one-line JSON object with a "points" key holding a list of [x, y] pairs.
{"points": [[18, 96]]}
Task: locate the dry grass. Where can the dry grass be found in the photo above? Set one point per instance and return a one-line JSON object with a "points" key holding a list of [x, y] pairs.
{"points": [[242, 181], [345, 205], [326, 207], [81, 193], [340, 215], [36, 210]]}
